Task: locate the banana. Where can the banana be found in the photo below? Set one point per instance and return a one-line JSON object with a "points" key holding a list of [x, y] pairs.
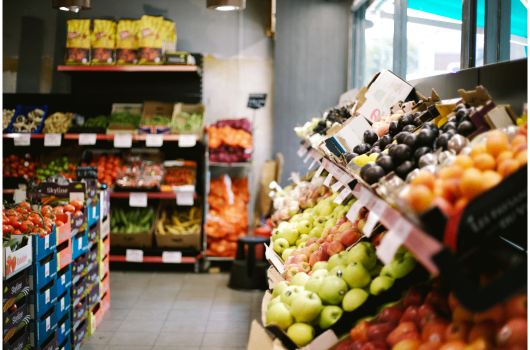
{"points": [[160, 226]]}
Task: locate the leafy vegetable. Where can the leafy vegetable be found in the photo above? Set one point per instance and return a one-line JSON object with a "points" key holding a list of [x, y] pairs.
{"points": [[192, 123], [101, 121], [125, 118], [156, 120]]}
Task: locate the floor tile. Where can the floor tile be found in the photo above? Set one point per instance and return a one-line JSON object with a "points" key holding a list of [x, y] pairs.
{"points": [[180, 339], [224, 340], [134, 338], [177, 315], [108, 325], [147, 315], [184, 326], [233, 326], [191, 304], [141, 326], [115, 314], [114, 347], [177, 348], [99, 338], [229, 316]]}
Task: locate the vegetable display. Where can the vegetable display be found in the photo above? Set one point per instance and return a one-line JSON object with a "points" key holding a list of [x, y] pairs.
{"points": [[192, 122], [178, 221], [179, 176], [7, 116], [156, 120], [29, 123], [230, 144], [132, 220], [58, 123], [15, 166], [60, 166], [125, 118], [108, 167], [101, 121]]}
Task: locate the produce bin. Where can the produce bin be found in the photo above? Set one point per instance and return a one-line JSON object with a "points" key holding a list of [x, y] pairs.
{"points": [[18, 260], [43, 328], [43, 272], [64, 279], [63, 304], [24, 110], [134, 240], [17, 317], [42, 300], [64, 328]]}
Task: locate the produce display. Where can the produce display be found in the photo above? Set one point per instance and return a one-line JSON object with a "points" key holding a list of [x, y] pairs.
{"points": [[23, 220], [137, 173], [230, 141], [58, 123], [132, 220], [28, 122], [125, 119], [315, 125], [101, 121], [191, 122], [108, 167], [177, 221], [7, 116], [228, 216], [60, 166], [156, 120], [15, 166], [177, 175]]}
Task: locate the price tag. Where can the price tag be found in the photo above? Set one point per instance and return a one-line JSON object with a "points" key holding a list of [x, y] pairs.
{"points": [[138, 199], [295, 177], [392, 240], [63, 279], [87, 139], [346, 179], [19, 196], [317, 173], [312, 164], [172, 257], [47, 297], [336, 186], [307, 158], [373, 217], [47, 269], [184, 198], [327, 181], [134, 255], [62, 304], [355, 208], [122, 141], [154, 140], [63, 327], [46, 241], [302, 151], [52, 140], [80, 243], [187, 140], [342, 196], [48, 323], [22, 139]]}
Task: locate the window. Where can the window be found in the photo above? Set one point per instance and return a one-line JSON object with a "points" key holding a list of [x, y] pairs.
{"points": [[379, 38], [519, 29]]}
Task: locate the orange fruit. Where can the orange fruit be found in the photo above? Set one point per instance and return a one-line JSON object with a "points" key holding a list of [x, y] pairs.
{"points": [[518, 140], [424, 177], [420, 198], [451, 189], [471, 183], [491, 178], [484, 161], [504, 156], [478, 149], [507, 167], [451, 172], [496, 143], [463, 161], [520, 147], [522, 157]]}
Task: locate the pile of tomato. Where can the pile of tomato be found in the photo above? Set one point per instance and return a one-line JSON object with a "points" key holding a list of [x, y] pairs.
{"points": [[108, 167], [15, 166]]}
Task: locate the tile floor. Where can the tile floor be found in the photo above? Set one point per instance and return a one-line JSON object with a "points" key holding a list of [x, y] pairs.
{"points": [[175, 311]]}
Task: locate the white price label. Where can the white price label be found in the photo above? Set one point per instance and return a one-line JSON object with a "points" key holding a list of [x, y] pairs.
{"points": [[355, 208], [327, 181], [47, 296], [63, 327], [47, 269], [336, 186], [138, 199], [184, 198], [80, 243], [172, 257], [63, 279], [317, 173], [295, 177], [342, 196], [134, 255], [187, 140], [87, 139], [312, 164], [48, 324], [392, 240], [302, 151], [373, 216], [52, 140], [346, 179], [46, 241], [307, 158], [22, 139], [122, 141], [19, 196], [62, 304], [154, 140]]}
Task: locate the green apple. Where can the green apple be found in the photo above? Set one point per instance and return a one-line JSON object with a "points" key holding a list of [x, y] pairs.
{"points": [[279, 288], [280, 245], [308, 210], [316, 232], [274, 301], [353, 299], [280, 314], [275, 234], [337, 259], [320, 265], [332, 216], [333, 196], [300, 279], [376, 270], [283, 224], [319, 273], [356, 275], [381, 284], [337, 271], [342, 213], [351, 201], [367, 245], [329, 316], [301, 245], [290, 293], [308, 217], [326, 210], [320, 221], [362, 254], [296, 218], [287, 252], [329, 223], [386, 271], [306, 307], [400, 252], [314, 283], [304, 227], [402, 267], [290, 233], [303, 238], [332, 290], [301, 333]]}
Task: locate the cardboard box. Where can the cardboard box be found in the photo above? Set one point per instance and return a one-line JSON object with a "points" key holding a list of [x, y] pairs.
{"points": [[185, 240], [93, 274], [64, 254], [104, 285], [64, 328], [93, 235], [104, 226], [78, 267], [95, 316], [79, 333], [63, 304], [16, 261], [152, 108], [105, 302], [190, 109], [66, 344], [42, 247], [79, 244], [42, 300], [347, 136], [17, 319], [104, 248], [104, 266], [78, 290], [92, 256], [43, 272], [42, 329], [64, 279], [93, 296], [15, 289], [19, 341], [64, 232], [92, 201], [104, 203], [79, 312]]}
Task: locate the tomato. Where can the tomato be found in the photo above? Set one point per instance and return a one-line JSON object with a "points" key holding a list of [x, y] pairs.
{"points": [[23, 204], [47, 207], [26, 226], [78, 213], [59, 209], [7, 230], [50, 216], [59, 223], [48, 222], [77, 203], [69, 208], [10, 212], [17, 232], [5, 220], [15, 222], [35, 219], [12, 157]]}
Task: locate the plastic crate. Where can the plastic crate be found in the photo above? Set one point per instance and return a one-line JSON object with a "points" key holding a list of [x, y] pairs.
{"points": [[24, 110]]}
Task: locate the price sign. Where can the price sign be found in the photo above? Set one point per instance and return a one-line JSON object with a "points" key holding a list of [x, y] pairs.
{"points": [[63, 327], [46, 241], [392, 240], [47, 270], [154, 140], [62, 304], [47, 296], [187, 140], [172, 257], [355, 208], [80, 243], [134, 255], [48, 323], [52, 140], [256, 101], [336, 186], [307, 158], [342, 196], [302, 151], [122, 141], [327, 181], [22, 139], [138, 199], [317, 174], [373, 217], [19, 196], [87, 139], [63, 279], [184, 198], [312, 164]]}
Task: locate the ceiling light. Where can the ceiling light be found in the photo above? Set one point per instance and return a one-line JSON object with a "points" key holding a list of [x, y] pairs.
{"points": [[225, 5], [71, 5]]}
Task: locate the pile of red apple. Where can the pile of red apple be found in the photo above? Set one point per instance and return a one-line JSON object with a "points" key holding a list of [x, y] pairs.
{"points": [[439, 322]]}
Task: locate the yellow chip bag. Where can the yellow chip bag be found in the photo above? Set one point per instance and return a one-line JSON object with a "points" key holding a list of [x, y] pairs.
{"points": [[150, 41], [127, 41], [78, 42], [103, 41], [170, 36]]}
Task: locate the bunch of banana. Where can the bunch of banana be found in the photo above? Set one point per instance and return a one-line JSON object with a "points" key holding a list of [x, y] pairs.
{"points": [[181, 221]]}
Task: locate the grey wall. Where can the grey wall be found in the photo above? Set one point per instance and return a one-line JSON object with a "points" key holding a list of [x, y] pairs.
{"points": [[311, 69]]}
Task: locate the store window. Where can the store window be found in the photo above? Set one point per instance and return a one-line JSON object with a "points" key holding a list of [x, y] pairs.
{"points": [[433, 37], [519, 29], [379, 38]]}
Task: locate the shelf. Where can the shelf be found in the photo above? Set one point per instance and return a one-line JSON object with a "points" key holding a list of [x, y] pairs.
{"points": [[231, 165], [153, 259], [103, 137], [150, 195], [134, 68], [219, 258], [154, 255], [8, 191]]}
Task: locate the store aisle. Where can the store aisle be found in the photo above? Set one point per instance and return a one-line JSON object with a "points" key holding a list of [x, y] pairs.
{"points": [[177, 311]]}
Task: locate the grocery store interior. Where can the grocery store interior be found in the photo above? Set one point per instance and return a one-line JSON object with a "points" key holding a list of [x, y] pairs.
{"points": [[265, 174]]}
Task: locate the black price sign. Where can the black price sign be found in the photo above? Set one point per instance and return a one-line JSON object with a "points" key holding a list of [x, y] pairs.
{"points": [[87, 172], [256, 101]]}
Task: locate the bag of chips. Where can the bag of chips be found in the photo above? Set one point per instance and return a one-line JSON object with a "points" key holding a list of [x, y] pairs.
{"points": [[150, 40], [127, 41], [78, 42], [169, 36], [103, 40]]}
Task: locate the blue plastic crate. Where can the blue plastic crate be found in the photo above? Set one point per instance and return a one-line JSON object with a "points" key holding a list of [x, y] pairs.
{"points": [[24, 110]]}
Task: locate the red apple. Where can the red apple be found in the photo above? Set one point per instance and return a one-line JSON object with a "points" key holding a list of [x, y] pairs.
{"points": [[413, 297], [341, 221], [408, 344], [426, 314], [310, 241], [349, 237], [390, 314], [410, 315], [453, 345], [299, 258], [517, 307], [462, 315], [345, 345], [334, 230], [325, 233], [374, 345], [434, 330], [438, 301], [430, 346], [457, 331], [337, 236], [397, 334], [321, 240], [496, 314], [379, 331], [324, 248], [485, 330], [317, 256], [335, 247], [480, 344], [359, 331], [358, 344], [514, 332], [303, 267], [329, 238], [377, 238]]}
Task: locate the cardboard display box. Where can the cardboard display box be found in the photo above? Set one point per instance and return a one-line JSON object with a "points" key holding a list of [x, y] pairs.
{"points": [[50, 343], [95, 316], [93, 296], [20, 340], [14, 290], [78, 267], [16, 261], [93, 274], [64, 232], [79, 312], [42, 300], [79, 334], [104, 285], [17, 319], [42, 329], [152, 108], [104, 203], [64, 279], [66, 344], [79, 244], [63, 304], [185, 240], [42, 247], [64, 254], [93, 234], [104, 267], [78, 290], [190, 109], [43, 272], [104, 226], [103, 248], [105, 302], [64, 327]]}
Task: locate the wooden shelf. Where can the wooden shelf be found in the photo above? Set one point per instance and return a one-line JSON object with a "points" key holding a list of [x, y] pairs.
{"points": [[134, 68]]}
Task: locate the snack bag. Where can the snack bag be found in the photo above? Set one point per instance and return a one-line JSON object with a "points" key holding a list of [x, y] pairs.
{"points": [[127, 41], [150, 40], [170, 36], [78, 42], [103, 40]]}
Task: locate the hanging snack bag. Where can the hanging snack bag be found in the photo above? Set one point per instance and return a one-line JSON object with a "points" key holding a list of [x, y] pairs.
{"points": [[127, 41], [103, 40], [150, 40], [170, 36], [78, 42]]}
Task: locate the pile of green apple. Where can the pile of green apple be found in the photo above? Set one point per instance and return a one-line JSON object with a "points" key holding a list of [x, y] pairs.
{"points": [[341, 284]]}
